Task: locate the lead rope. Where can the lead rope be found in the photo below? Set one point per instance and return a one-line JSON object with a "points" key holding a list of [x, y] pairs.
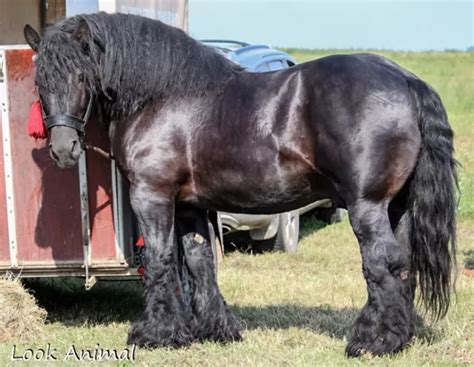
{"points": [[100, 151]]}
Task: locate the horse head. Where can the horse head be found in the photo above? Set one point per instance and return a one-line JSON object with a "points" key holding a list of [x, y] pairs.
{"points": [[65, 78]]}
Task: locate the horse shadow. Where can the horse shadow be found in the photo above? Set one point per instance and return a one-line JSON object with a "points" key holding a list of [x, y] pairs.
{"points": [[67, 302], [58, 223]]}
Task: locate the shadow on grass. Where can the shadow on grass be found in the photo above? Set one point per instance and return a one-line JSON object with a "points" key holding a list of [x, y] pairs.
{"points": [[309, 225], [67, 302], [322, 319]]}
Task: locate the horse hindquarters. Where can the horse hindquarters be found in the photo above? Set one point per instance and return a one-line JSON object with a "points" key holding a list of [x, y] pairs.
{"points": [[421, 244]]}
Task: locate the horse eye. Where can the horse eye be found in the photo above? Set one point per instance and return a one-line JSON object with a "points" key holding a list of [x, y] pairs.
{"points": [[81, 78]]}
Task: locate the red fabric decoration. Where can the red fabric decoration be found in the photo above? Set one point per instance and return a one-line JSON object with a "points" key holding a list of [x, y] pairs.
{"points": [[36, 127], [140, 242]]}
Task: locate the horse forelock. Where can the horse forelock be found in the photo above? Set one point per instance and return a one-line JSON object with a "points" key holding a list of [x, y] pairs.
{"points": [[135, 59], [60, 55]]}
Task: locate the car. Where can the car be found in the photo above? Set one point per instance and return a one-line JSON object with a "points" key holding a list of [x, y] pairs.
{"points": [[276, 231]]}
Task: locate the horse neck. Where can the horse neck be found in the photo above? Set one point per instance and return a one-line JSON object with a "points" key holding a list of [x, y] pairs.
{"points": [[168, 67]]}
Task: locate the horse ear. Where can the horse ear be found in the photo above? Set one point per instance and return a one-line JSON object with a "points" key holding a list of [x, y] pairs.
{"points": [[82, 33], [32, 37]]}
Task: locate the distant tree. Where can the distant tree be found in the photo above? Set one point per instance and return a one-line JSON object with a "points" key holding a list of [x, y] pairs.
{"points": [[470, 49]]}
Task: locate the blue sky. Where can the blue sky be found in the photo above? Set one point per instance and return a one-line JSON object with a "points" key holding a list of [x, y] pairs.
{"points": [[380, 24]]}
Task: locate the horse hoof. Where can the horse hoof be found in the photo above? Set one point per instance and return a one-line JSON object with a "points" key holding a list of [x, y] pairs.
{"points": [[387, 344], [145, 336]]}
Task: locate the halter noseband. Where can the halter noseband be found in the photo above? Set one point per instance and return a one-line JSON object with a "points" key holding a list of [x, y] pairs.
{"points": [[73, 122]]}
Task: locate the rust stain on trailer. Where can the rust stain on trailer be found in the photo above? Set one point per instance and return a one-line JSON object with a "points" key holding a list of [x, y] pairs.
{"points": [[19, 64]]}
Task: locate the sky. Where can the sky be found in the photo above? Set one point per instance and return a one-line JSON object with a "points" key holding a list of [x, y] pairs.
{"points": [[368, 24]]}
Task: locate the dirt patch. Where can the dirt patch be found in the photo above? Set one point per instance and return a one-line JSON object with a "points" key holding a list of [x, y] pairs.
{"points": [[468, 272], [21, 318]]}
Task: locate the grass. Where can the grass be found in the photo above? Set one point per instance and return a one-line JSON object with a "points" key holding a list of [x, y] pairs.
{"points": [[297, 309]]}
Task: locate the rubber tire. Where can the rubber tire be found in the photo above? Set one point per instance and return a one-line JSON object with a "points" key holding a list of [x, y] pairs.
{"points": [[329, 215], [288, 232]]}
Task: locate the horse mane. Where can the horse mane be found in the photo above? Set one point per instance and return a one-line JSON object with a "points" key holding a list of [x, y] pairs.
{"points": [[139, 59]]}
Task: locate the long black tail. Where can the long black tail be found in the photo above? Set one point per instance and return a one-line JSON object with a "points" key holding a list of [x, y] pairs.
{"points": [[433, 202]]}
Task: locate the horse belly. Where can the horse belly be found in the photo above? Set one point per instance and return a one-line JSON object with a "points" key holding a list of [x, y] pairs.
{"points": [[256, 187]]}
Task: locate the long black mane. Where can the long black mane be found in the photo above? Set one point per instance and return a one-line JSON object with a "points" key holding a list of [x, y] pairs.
{"points": [[136, 59]]}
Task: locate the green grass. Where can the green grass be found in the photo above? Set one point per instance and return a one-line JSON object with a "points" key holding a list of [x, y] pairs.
{"points": [[297, 309]]}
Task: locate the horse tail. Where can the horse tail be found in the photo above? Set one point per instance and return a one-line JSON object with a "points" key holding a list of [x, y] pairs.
{"points": [[433, 202]]}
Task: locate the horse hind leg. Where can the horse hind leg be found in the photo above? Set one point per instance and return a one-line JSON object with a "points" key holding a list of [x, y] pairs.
{"points": [[212, 318], [385, 324], [401, 225]]}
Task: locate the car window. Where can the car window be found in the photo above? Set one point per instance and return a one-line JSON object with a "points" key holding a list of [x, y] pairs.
{"points": [[263, 67], [276, 65]]}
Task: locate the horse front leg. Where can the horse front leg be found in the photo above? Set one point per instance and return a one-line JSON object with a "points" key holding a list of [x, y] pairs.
{"points": [[385, 324], [213, 320], [164, 321]]}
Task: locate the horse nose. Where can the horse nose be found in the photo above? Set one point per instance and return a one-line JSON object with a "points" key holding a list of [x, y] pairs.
{"points": [[64, 151], [76, 149]]}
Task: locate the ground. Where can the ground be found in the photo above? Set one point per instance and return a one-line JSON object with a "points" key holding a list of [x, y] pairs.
{"points": [[297, 309]]}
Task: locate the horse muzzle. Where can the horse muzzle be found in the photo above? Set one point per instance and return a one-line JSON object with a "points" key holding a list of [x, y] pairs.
{"points": [[65, 146]]}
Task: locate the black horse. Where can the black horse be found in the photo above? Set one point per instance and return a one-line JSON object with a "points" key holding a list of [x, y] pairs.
{"points": [[192, 132]]}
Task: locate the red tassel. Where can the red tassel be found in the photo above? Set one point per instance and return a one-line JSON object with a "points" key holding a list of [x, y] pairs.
{"points": [[140, 242], [36, 127]]}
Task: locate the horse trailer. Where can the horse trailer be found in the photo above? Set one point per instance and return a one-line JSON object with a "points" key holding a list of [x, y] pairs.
{"points": [[54, 222]]}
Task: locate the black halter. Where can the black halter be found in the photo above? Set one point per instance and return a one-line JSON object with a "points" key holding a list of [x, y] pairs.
{"points": [[73, 122], [77, 124]]}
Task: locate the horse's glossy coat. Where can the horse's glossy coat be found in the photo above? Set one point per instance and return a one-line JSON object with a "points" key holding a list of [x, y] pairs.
{"points": [[191, 132]]}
